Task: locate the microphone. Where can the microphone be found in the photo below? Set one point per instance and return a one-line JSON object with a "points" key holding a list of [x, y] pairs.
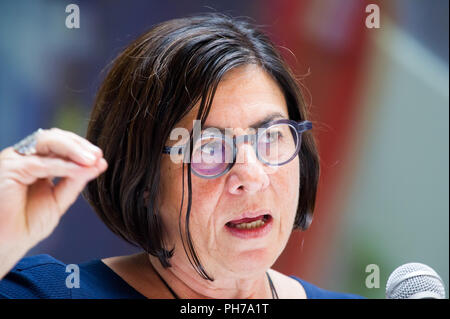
{"points": [[414, 281]]}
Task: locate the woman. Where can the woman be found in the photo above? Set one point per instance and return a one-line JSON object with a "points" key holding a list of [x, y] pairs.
{"points": [[211, 210]]}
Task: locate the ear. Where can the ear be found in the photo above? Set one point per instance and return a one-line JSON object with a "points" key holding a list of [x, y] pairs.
{"points": [[308, 221], [146, 196], [305, 221]]}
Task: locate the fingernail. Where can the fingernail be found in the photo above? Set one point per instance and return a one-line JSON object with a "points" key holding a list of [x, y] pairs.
{"points": [[94, 148], [88, 156], [103, 164]]}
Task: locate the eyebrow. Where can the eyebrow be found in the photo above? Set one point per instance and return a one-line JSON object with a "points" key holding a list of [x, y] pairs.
{"points": [[270, 117]]}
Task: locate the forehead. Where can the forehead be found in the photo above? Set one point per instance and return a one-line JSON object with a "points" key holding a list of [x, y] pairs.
{"points": [[244, 96]]}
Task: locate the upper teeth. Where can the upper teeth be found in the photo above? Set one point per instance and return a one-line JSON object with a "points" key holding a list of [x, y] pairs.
{"points": [[256, 223]]}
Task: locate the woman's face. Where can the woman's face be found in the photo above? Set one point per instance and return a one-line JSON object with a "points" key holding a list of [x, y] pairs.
{"points": [[250, 189]]}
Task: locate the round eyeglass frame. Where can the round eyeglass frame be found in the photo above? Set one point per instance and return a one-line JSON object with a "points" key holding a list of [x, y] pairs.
{"points": [[298, 128]]}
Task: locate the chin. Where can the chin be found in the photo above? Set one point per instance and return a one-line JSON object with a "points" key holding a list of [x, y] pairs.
{"points": [[253, 260]]}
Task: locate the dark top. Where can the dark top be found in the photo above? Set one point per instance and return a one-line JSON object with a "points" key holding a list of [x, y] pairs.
{"points": [[42, 276]]}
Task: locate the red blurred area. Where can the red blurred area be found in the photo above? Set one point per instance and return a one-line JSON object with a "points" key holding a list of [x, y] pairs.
{"points": [[329, 44]]}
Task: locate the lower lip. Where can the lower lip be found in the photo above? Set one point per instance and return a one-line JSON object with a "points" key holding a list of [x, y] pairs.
{"points": [[251, 233]]}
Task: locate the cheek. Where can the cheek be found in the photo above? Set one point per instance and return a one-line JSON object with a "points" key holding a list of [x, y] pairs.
{"points": [[205, 195], [286, 184]]}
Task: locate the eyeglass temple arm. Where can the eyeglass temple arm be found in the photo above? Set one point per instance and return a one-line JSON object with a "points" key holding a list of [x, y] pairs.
{"points": [[304, 126], [301, 127], [167, 149]]}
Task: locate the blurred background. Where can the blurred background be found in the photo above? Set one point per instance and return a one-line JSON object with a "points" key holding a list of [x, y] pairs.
{"points": [[380, 101]]}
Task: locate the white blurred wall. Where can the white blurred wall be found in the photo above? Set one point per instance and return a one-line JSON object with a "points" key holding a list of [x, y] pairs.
{"points": [[397, 190]]}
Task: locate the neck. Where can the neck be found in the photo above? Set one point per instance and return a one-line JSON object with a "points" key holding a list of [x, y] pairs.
{"points": [[186, 283]]}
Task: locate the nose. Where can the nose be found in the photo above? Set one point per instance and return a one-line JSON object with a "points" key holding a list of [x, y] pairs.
{"points": [[248, 174]]}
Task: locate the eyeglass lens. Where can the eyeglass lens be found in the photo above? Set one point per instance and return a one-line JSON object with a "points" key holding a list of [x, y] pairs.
{"points": [[276, 145]]}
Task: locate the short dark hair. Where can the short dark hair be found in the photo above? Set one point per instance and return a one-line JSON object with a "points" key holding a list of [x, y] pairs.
{"points": [[150, 87]]}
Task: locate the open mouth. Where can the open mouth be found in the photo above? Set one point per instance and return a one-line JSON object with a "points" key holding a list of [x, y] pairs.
{"points": [[250, 223], [250, 227]]}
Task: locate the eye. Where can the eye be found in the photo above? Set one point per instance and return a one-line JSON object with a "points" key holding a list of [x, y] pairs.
{"points": [[212, 148], [272, 136]]}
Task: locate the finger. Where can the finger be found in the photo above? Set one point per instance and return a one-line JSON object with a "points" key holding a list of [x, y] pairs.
{"points": [[51, 141], [27, 169], [68, 189], [80, 140]]}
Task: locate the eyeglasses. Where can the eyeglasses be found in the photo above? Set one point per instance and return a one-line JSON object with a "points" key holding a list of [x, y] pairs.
{"points": [[214, 154]]}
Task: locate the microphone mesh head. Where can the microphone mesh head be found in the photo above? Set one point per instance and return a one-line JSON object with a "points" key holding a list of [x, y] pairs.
{"points": [[410, 279]]}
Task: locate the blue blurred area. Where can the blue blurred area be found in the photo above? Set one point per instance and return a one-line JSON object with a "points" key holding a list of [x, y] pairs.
{"points": [[427, 21]]}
